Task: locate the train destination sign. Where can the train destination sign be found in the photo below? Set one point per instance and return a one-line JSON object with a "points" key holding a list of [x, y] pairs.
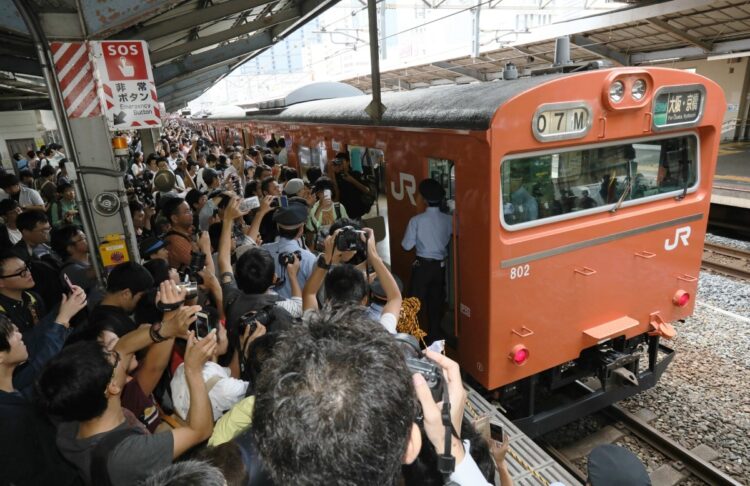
{"points": [[678, 106], [561, 121]]}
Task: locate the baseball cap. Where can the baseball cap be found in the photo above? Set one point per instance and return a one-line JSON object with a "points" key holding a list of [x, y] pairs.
{"points": [[150, 245]]}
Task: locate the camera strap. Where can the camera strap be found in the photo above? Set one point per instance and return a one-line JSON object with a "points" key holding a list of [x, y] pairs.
{"points": [[169, 307], [446, 461]]}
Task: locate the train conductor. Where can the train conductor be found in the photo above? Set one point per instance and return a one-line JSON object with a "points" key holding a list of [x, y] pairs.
{"points": [[430, 232]]}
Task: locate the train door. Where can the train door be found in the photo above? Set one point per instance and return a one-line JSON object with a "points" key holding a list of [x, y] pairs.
{"points": [[370, 162], [444, 171]]}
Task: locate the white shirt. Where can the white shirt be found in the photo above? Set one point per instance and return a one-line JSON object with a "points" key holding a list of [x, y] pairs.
{"points": [[223, 394], [14, 235], [27, 197]]}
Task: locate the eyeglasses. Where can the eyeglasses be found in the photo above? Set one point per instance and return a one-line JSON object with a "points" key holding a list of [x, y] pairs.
{"points": [[114, 366], [23, 273]]}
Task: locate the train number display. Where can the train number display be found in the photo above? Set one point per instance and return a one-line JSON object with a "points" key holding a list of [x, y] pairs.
{"points": [[561, 121]]}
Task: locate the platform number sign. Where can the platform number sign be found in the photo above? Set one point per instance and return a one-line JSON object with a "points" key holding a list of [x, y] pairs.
{"points": [[561, 121], [678, 106]]}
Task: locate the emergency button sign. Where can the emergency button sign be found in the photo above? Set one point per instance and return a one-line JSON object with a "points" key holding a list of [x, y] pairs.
{"points": [[127, 82], [125, 60]]}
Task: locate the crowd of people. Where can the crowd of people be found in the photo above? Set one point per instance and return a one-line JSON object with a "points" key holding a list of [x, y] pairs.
{"points": [[255, 343]]}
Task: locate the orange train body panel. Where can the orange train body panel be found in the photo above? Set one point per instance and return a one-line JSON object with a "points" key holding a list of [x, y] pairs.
{"points": [[553, 287]]}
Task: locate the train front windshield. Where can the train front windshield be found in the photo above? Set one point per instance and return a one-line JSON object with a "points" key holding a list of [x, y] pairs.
{"points": [[553, 185]]}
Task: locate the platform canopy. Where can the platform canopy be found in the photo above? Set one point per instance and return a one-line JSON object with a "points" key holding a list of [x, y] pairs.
{"points": [[192, 43], [644, 33]]}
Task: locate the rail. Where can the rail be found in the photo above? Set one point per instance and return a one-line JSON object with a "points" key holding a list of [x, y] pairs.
{"points": [[698, 466], [638, 427], [715, 256]]}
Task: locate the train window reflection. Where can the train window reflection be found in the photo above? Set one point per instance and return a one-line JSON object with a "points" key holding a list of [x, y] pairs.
{"points": [[550, 185]]}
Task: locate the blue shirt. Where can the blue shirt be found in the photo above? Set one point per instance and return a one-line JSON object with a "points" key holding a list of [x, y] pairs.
{"points": [[430, 232], [307, 265]]}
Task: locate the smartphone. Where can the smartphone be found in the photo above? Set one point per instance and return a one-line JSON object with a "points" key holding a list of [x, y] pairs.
{"points": [[284, 201], [201, 326], [327, 193], [496, 431], [249, 203], [67, 285]]}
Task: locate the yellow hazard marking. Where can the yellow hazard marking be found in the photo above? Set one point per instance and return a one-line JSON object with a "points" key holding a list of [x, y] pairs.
{"points": [[732, 178]]}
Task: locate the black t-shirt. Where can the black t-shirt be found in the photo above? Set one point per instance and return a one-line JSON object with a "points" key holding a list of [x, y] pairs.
{"points": [[350, 196], [27, 450], [115, 318], [24, 313]]}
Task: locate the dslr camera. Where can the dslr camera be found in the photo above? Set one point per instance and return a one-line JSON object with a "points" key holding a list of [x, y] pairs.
{"points": [[287, 258], [419, 363], [350, 239], [251, 319]]}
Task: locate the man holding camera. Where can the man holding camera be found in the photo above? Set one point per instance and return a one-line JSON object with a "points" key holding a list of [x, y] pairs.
{"points": [[291, 224], [350, 187], [345, 284], [255, 276], [303, 441]]}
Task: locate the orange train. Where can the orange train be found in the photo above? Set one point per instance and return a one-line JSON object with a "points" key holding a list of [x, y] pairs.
{"points": [[580, 203]]}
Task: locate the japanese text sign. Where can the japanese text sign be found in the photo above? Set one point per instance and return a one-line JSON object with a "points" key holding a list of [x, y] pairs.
{"points": [[127, 83], [678, 106]]}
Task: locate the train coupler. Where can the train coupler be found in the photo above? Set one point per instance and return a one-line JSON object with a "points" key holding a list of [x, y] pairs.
{"points": [[660, 328], [618, 366]]}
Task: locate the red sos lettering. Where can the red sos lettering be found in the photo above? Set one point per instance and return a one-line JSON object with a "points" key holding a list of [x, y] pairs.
{"points": [[125, 60]]}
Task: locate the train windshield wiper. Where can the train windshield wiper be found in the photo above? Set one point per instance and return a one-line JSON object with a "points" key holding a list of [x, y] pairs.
{"points": [[625, 193]]}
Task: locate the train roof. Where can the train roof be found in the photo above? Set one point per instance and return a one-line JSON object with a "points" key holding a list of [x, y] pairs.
{"points": [[458, 107]]}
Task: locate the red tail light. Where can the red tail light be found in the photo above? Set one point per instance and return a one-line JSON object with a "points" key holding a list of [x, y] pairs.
{"points": [[519, 354], [681, 298]]}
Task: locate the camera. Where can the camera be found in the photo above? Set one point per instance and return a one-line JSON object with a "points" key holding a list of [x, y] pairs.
{"points": [[350, 239], [264, 316], [190, 289], [287, 258], [418, 363]]}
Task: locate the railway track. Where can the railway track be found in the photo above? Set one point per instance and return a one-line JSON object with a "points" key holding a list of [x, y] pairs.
{"points": [[726, 260], [639, 428]]}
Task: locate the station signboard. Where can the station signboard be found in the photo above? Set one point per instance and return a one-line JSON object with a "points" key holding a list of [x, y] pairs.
{"points": [[127, 84]]}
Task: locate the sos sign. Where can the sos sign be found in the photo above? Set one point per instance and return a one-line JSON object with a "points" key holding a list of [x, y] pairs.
{"points": [[125, 60]]}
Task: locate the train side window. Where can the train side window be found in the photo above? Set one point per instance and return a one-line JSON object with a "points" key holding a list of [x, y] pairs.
{"points": [[320, 156], [551, 186], [443, 171], [305, 157]]}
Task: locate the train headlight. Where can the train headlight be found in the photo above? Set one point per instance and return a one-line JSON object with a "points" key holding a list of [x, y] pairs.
{"points": [[519, 354], [638, 90], [681, 298], [616, 91]]}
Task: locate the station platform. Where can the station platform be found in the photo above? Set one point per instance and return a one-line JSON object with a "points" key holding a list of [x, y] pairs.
{"points": [[732, 179], [540, 468]]}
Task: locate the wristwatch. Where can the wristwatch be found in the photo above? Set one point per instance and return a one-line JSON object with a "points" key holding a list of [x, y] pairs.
{"points": [[154, 333], [322, 262]]}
